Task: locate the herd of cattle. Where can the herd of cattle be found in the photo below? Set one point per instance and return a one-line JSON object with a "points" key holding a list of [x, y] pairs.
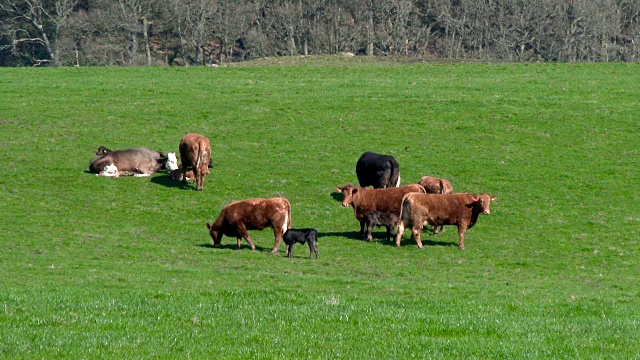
{"points": [[429, 202]]}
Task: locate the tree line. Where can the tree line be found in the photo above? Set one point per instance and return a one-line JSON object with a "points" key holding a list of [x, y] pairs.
{"points": [[206, 32]]}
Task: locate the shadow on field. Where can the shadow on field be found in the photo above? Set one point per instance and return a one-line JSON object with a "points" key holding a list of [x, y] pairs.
{"points": [[337, 196], [355, 235], [408, 241], [232, 246], [166, 180]]}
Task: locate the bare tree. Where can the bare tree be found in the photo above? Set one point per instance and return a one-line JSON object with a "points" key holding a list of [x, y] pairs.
{"points": [[33, 28]]}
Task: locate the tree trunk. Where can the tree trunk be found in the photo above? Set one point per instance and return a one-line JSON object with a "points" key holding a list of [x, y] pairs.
{"points": [[145, 32], [133, 48], [370, 35], [292, 42]]}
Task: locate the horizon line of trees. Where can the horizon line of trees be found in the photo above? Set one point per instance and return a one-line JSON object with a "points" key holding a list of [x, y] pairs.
{"points": [[206, 32]]}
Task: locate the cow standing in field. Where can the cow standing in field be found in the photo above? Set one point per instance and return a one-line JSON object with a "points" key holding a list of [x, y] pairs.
{"points": [[364, 200], [252, 214], [379, 171], [301, 236], [461, 210], [378, 218], [195, 154], [137, 161], [433, 185]]}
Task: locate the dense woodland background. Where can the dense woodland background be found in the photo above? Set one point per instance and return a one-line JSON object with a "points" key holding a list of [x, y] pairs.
{"points": [[206, 32]]}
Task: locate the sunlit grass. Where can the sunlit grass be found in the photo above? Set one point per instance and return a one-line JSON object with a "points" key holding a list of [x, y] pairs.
{"points": [[100, 267]]}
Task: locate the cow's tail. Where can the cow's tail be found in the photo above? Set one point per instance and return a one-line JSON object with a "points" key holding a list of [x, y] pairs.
{"points": [[404, 212], [198, 159], [395, 174], [287, 222]]}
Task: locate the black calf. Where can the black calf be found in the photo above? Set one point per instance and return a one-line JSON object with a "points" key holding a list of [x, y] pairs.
{"points": [[378, 218], [301, 236]]}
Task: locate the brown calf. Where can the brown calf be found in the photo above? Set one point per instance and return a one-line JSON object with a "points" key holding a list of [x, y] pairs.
{"points": [[441, 209], [195, 153], [177, 174], [365, 200], [252, 214]]}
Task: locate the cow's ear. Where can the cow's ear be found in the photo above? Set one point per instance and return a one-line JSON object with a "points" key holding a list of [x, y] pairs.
{"points": [[208, 226], [355, 190], [339, 188], [493, 197], [475, 199]]}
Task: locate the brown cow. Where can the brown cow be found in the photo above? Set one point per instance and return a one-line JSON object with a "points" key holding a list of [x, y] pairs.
{"points": [[252, 214], [365, 200], [441, 209], [195, 153], [433, 185]]}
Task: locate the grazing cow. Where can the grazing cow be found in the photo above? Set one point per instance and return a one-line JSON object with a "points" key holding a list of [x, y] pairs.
{"points": [[364, 200], [252, 214], [461, 210], [379, 171], [195, 153], [434, 185], [378, 218], [301, 236], [137, 161]]}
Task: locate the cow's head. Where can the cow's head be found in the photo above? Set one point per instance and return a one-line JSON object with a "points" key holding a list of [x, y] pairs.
{"points": [[102, 151], [110, 170], [483, 201], [215, 233], [172, 162], [347, 191]]}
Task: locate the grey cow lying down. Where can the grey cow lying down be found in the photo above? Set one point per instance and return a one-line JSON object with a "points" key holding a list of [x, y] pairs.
{"points": [[137, 161]]}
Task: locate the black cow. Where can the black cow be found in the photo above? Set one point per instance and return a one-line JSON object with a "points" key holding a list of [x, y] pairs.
{"points": [[379, 218], [379, 171], [301, 236]]}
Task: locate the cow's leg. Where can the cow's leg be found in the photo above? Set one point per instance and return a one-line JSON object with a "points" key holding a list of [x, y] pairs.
{"points": [[362, 226], [289, 250], [277, 232], [315, 249], [369, 228], [461, 230], [238, 241], [245, 234], [400, 231], [415, 231], [388, 233]]}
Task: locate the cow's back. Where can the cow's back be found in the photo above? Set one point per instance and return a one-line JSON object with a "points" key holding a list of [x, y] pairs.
{"points": [[259, 213], [194, 150], [379, 171], [447, 209], [387, 200]]}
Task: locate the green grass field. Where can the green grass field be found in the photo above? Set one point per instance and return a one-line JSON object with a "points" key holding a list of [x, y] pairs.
{"points": [[95, 267]]}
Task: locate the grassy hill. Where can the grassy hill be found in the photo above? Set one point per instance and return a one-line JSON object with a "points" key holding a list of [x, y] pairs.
{"points": [[95, 267]]}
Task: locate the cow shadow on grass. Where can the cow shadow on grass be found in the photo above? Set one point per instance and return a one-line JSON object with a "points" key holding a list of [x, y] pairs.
{"points": [[426, 241], [337, 196], [232, 246], [166, 180], [354, 235]]}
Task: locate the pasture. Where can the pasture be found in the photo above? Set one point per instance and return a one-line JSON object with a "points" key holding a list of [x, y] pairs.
{"points": [[95, 267]]}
